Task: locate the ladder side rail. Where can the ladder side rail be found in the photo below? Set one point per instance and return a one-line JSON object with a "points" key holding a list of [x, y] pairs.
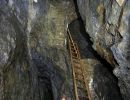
{"points": [[74, 81], [72, 41], [86, 85], [75, 47], [83, 70], [69, 34]]}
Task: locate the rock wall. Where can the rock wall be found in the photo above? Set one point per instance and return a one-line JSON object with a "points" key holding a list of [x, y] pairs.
{"points": [[107, 23], [33, 56], [34, 62]]}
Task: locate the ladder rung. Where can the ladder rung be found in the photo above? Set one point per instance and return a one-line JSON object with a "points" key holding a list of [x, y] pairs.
{"points": [[76, 60], [82, 87], [75, 57], [73, 46], [79, 79], [77, 66], [77, 63], [83, 98], [74, 50], [74, 53], [72, 43], [79, 75], [78, 71]]}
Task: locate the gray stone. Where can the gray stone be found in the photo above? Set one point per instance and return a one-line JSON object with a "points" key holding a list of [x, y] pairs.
{"points": [[107, 23]]}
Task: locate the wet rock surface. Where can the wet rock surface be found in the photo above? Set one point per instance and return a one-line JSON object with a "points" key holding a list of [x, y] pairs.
{"points": [[107, 24]]}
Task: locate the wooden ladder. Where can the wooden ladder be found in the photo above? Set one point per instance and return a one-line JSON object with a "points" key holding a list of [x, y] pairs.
{"points": [[81, 90]]}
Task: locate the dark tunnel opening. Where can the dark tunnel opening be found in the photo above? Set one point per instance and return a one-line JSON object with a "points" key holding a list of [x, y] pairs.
{"points": [[44, 80], [47, 93]]}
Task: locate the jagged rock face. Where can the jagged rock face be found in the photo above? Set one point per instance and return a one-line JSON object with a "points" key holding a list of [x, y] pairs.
{"points": [[107, 23], [33, 56]]}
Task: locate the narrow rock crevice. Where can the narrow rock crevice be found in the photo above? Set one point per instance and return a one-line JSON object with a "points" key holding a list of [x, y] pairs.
{"points": [[103, 61], [88, 39], [101, 68], [44, 80]]}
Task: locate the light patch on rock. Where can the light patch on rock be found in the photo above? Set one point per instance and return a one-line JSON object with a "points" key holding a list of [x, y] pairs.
{"points": [[31, 14], [63, 98], [35, 1], [90, 83], [10, 3], [120, 2], [65, 41], [4, 58], [67, 25], [60, 33]]}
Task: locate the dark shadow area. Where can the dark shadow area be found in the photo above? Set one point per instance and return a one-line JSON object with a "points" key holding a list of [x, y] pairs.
{"points": [[85, 46], [44, 82], [47, 75], [106, 84], [76, 9]]}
